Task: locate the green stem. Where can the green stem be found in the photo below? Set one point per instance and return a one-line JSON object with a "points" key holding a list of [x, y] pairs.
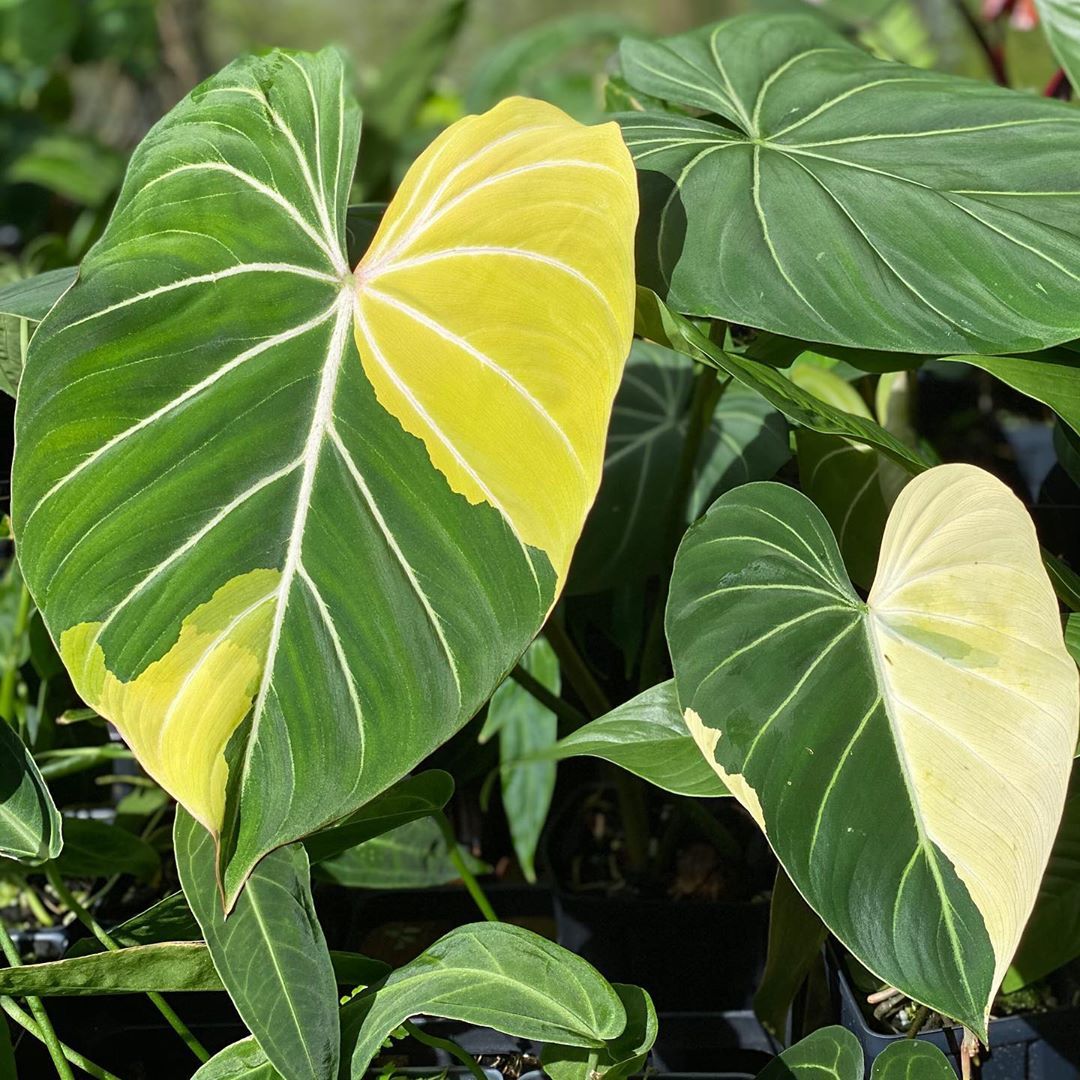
{"points": [[459, 1053], [7, 684], [26, 1021], [48, 1033], [591, 1062], [462, 867], [632, 809], [559, 706], [95, 928]]}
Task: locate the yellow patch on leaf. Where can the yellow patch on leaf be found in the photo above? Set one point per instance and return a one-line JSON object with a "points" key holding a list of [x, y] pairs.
{"points": [[180, 712], [707, 738], [495, 310]]}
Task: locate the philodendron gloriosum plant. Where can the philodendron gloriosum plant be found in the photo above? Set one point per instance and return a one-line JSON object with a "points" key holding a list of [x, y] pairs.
{"points": [[291, 520]]}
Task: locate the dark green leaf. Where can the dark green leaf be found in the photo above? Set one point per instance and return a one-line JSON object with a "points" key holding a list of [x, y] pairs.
{"points": [[648, 737], [832, 1050], [846, 199], [409, 799], [796, 936], [167, 920], [270, 952], [97, 849], [412, 856], [31, 298], [493, 975], [912, 1059]]}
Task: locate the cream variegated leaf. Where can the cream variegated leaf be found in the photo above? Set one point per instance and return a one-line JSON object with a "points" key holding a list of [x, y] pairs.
{"points": [[907, 756]]}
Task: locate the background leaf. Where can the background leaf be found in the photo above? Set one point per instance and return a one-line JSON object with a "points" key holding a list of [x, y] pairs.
{"points": [[1060, 21], [242, 1060], [95, 849], [30, 825]]}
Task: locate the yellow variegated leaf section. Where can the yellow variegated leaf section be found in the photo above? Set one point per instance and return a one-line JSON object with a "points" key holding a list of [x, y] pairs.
{"points": [[180, 712], [981, 692], [495, 310]]}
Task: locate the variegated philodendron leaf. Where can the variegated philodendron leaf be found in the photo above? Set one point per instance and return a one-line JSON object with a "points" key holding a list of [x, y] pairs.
{"points": [[832, 196], [906, 756], [291, 522]]}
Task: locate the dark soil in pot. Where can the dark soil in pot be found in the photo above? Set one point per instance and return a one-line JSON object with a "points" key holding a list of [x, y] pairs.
{"points": [[692, 927]]}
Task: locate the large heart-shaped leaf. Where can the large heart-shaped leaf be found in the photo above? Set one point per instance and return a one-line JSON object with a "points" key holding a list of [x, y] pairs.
{"points": [[907, 757], [837, 197], [241, 524]]}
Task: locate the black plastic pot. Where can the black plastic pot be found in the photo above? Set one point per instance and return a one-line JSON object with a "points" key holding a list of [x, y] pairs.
{"points": [[1039, 1046]]}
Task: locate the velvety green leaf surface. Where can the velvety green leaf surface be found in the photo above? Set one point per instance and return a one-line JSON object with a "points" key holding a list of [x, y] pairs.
{"points": [[30, 825], [811, 703], [911, 1059], [412, 856], [627, 527], [648, 737], [525, 729], [796, 936], [1052, 935], [494, 975], [199, 417], [242, 1060], [1060, 22], [622, 1056], [846, 199], [1052, 377], [833, 1051], [167, 920], [409, 799], [97, 849], [270, 952], [656, 321]]}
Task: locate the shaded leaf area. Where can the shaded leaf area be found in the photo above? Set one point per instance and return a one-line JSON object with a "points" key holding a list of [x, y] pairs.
{"points": [[789, 208], [412, 856], [648, 737], [170, 919], [626, 530], [30, 825], [23, 304], [525, 730], [1060, 22], [493, 975], [98, 849], [270, 952], [833, 1051]]}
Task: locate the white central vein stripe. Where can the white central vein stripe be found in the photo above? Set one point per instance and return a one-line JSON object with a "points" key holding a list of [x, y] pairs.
{"points": [[399, 555], [485, 361], [205, 279], [176, 402], [320, 422]]}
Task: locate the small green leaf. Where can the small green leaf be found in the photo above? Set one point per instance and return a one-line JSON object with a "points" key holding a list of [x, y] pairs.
{"points": [[526, 729], [409, 799], [76, 167], [832, 1050], [32, 297], [97, 849], [169, 919], [912, 1059], [270, 952], [242, 1060], [30, 826], [648, 737], [654, 320], [622, 1056], [493, 975], [1060, 21], [412, 856], [796, 936]]}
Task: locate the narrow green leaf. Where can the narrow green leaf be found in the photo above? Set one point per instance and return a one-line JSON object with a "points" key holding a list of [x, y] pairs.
{"points": [[659, 323], [796, 936], [30, 825], [1065, 580], [648, 737], [1052, 935], [169, 919], [98, 849], [270, 952], [912, 1059], [494, 975], [832, 1050], [409, 799], [790, 208], [31, 298], [622, 1056], [526, 729], [1052, 377], [412, 856]]}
